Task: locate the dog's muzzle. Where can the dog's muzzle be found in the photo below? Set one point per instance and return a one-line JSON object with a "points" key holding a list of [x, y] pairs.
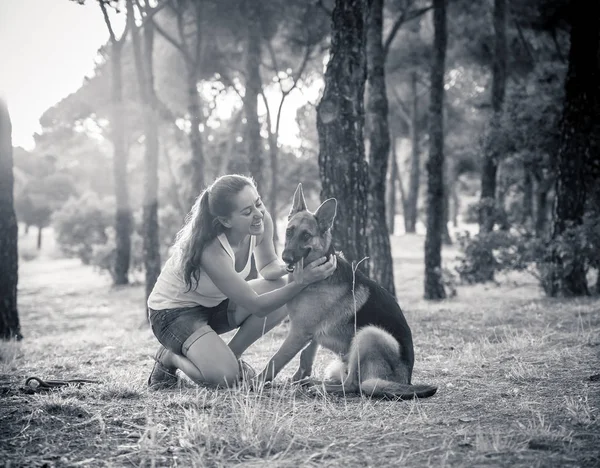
{"points": [[291, 260]]}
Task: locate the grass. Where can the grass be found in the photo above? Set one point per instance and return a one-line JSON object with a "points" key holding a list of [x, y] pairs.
{"points": [[514, 371]]}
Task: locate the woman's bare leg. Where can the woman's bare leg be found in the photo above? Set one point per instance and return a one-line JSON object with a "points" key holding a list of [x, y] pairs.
{"points": [[207, 360]]}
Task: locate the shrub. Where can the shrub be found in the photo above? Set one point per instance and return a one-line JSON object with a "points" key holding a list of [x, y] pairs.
{"points": [[500, 251], [82, 223], [578, 243], [496, 251], [85, 229]]}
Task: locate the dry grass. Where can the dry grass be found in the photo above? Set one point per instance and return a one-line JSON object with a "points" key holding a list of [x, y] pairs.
{"points": [[513, 370]]}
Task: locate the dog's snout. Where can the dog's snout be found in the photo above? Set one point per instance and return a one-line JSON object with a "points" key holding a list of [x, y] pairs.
{"points": [[288, 257]]}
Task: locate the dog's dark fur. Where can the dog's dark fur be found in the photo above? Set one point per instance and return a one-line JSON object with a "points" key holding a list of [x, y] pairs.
{"points": [[374, 344]]}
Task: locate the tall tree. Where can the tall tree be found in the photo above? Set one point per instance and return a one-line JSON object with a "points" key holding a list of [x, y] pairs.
{"points": [[191, 45], [490, 154], [378, 135], [143, 56], [578, 159], [412, 199], [123, 221], [340, 121], [434, 286], [253, 89], [9, 257]]}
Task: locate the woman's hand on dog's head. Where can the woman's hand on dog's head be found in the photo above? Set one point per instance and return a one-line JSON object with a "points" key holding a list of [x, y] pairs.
{"points": [[317, 270]]}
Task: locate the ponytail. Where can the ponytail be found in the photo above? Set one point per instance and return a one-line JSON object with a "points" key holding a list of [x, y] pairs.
{"points": [[200, 228]]}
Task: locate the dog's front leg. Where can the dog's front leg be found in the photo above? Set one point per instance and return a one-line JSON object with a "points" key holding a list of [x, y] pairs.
{"points": [[292, 345], [307, 357]]}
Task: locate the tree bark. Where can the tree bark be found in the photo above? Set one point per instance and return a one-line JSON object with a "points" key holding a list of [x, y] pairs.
{"points": [[391, 190], [39, 238], [541, 215], [10, 327], [253, 88], [579, 146], [490, 157], [340, 121], [446, 237], [412, 202], [192, 54], [434, 286], [123, 215], [381, 264], [145, 75], [527, 214], [197, 165]]}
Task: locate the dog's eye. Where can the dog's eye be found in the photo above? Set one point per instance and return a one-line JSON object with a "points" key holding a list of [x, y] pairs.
{"points": [[306, 236], [289, 232]]}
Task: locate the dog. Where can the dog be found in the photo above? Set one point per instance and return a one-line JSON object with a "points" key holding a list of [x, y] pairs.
{"points": [[346, 313]]}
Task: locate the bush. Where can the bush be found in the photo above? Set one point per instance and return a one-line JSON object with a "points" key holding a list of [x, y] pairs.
{"points": [[578, 243], [82, 223], [487, 253], [85, 229], [501, 251]]}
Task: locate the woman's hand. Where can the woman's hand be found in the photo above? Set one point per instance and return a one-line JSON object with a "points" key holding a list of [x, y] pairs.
{"points": [[317, 270]]}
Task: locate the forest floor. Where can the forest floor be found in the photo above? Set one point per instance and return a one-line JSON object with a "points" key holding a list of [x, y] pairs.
{"points": [[518, 378]]}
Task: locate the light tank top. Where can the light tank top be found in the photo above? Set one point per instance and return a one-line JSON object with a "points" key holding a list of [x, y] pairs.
{"points": [[169, 292]]}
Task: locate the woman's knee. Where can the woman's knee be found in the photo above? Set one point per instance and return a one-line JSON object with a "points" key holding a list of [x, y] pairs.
{"points": [[216, 363], [226, 375]]}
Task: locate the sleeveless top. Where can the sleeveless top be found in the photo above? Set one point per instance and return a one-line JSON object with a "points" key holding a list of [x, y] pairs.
{"points": [[169, 292]]}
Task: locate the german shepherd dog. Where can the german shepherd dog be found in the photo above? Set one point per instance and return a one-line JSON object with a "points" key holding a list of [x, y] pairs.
{"points": [[348, 314]]}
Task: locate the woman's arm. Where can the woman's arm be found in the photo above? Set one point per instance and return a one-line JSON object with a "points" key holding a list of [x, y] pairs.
{"points": [[216, 263], [268, 264]]}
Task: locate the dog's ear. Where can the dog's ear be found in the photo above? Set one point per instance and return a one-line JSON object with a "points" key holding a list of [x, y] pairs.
{"points": [[325, 214], [298, 204]]}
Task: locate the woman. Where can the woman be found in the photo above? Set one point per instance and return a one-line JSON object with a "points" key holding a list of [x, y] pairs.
{"points": [[202, 292]]}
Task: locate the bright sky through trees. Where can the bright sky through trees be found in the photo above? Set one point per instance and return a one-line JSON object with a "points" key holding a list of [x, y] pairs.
{"points": [[47, 48]]}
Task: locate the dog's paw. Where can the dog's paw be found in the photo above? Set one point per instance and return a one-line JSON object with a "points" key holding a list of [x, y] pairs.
{"points": [[303, 381]]}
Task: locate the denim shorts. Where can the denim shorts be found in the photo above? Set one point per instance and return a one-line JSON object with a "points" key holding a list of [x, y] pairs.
{"points": [[176, 329]]}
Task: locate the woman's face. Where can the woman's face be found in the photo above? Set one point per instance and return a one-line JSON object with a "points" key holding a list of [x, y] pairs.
{"points": [[248, 213]]}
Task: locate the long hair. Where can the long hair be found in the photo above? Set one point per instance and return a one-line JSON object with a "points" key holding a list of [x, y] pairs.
{"points": [[202, 224]]}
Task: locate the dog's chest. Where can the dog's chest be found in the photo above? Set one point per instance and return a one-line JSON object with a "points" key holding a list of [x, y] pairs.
{"points": [[326, 313]]}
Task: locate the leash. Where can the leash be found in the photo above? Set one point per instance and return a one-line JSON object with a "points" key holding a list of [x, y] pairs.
{"points": [[36, 385]]}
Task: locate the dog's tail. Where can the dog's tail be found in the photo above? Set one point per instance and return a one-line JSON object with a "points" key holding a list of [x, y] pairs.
{"points": [[386, 388]]}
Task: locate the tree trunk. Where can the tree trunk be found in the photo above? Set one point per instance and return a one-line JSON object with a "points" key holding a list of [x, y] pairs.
{"points": [[39, 238], [145, 75], [273, 196], [253, 88], [123, 216], [381, 264], [434, 286], [10, 327], [490, 156], [391, 191], [415, 161], [541, 208], [446, 237], [197, 166], [340, 121], [578, 151], [527, 214], [455, 202]]}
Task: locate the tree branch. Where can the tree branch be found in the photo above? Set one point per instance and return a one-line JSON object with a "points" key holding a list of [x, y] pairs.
{"points": [[111, 32], [172, 41], [403, 18], [404, 112], [321, 5]]}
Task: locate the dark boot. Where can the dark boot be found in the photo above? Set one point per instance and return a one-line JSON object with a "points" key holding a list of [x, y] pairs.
{"points": [[162, 377]]}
